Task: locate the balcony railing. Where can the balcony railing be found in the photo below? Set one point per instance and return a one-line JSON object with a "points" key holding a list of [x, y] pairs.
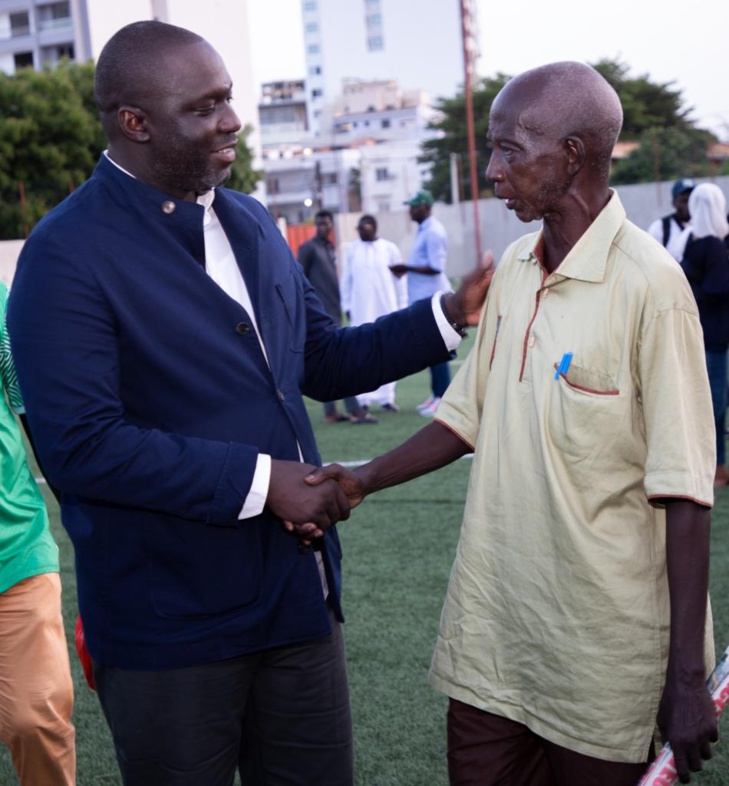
{"points": [[55, 24]]}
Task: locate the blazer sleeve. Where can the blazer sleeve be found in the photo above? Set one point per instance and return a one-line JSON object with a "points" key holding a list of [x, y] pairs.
{"points": [[341, 362]]}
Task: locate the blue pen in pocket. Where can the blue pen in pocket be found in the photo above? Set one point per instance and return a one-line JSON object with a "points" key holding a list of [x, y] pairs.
{"points": [[564, 364]]}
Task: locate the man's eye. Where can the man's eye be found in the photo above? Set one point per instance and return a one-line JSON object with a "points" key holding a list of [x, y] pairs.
{"points": [[205, 110]]}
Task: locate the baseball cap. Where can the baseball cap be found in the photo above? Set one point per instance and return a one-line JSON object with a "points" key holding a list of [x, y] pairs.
{"points": [[683, 185], [420, 197]]}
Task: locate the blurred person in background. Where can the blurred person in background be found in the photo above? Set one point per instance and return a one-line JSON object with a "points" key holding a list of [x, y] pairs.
{"points": [[706, 265]]}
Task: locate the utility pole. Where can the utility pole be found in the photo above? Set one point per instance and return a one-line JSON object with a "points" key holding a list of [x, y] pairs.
{"points": [[470, 54]]}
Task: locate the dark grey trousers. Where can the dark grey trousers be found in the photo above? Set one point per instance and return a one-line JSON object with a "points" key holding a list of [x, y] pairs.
{"points": [[281, 716]]}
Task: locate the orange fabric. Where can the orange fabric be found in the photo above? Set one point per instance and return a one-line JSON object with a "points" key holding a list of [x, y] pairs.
{"points": [[36, 691], [297, 234]]}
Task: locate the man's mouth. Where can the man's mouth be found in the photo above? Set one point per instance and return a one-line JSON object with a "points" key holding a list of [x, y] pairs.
{"points": [[226, 154]]}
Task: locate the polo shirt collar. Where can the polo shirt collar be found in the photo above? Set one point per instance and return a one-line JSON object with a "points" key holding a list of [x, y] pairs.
{"points": [[587, 260]]}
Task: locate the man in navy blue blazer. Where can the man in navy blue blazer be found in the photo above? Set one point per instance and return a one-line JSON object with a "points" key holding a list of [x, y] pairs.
{"points": [[163, 337]]}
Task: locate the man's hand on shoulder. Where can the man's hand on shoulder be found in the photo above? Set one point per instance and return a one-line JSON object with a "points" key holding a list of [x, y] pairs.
{"points": [[465, 304]]}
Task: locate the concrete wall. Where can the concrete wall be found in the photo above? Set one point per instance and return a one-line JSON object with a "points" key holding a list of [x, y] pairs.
{"points": [[499, 227]]}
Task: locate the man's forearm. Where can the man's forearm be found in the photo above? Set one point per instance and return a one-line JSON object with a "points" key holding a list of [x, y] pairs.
{"points": [[687, 564], [686, 714], [429, 449]]}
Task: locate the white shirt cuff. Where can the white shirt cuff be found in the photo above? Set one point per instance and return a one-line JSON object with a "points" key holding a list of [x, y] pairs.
{"points": [[256, 499], [450, 337]]}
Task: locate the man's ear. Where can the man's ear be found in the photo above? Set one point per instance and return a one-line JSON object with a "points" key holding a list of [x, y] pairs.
{"points": [[133, 124], [575, 150]]}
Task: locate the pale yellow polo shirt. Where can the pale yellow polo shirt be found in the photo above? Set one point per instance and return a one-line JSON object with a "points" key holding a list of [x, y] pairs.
{"points": [[557, 613]]}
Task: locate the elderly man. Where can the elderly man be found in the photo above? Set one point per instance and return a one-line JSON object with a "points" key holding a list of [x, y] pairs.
{"points": [[575, 613], [164, 336]]}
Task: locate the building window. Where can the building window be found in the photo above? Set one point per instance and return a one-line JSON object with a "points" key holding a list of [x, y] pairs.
{"points": [[315, 71], [386, 123], [318, 93], [375, 43], [310, 5], [374, 20], [382, 174], [274, 187], [329, 179], [313, 49], [311, 27], [23, 59], [54, 15], [19, 24]]}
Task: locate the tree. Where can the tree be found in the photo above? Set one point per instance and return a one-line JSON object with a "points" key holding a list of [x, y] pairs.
{"points": [[452, 138], [646, 105], [48, 142], [665, 154], [654, 115], [243, 176], [51, 138]]}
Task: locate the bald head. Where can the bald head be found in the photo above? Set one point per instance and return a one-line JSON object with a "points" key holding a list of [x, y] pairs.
{"points": [[131, 67], [567, 99]]}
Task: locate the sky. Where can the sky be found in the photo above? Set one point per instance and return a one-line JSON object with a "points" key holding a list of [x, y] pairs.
{"points": [[686, 45]]}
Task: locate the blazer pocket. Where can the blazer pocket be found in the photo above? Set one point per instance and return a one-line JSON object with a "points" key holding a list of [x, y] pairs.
{"points": [[190, 575]]}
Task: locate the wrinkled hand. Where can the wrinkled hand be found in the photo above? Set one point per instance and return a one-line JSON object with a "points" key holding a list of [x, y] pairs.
{"points": [[687, 719], [465, 304], [349, 483], [296, 502]]}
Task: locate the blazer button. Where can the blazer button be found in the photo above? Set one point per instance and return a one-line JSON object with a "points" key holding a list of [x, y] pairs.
{"points": [[281, 395], [242, 328], [168, 207]]}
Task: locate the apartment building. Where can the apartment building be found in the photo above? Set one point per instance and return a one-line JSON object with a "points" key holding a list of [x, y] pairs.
{"points": [[363, 158], [36, 33], [419, 45]]}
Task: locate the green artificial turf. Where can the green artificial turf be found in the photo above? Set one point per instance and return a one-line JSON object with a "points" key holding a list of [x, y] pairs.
{"points": [[398, 550]]}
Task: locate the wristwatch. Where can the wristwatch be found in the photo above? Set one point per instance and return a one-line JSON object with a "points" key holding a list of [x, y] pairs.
{"points": [[457, 326]]}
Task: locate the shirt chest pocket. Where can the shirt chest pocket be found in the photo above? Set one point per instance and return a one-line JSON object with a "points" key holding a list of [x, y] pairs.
{"points": [[586, 411]]}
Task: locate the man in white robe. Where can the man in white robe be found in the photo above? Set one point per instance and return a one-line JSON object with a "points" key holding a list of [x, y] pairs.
{"points": [[370, 290]]}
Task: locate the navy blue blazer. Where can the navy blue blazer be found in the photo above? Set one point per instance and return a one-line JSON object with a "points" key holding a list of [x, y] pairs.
{"points": [[149, 400]]}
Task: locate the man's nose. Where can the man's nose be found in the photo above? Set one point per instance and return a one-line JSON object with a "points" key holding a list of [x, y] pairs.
{"points": [[493, 171], [229, 122]]}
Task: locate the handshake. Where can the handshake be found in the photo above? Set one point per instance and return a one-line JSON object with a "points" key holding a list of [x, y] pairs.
{"points": [[311, 499]]}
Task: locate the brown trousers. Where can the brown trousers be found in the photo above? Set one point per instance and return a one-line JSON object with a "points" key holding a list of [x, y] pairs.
{"points": [[488, 750], [36, 691]]}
